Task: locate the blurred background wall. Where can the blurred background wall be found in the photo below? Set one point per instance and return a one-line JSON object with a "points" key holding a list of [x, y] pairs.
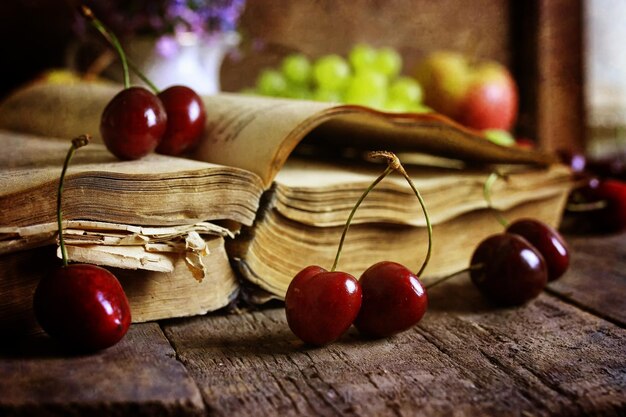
{"points": [[539, 40]]}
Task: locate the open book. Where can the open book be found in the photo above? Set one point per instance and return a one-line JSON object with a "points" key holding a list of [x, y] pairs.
{"points": [[259, 133], [254, 142], [301, 218], [158, 215]]}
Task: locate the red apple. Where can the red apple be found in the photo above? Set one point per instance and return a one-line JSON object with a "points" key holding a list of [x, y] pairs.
{"points": [[444, 77], [481, 96], [490, 101]]}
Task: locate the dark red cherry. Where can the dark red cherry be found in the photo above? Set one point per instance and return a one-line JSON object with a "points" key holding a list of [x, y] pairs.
{"points": [[512, 271], [606, 211], [320, 306], [613, 193], [133, 123], [547, 241], [393, 300], [83, 306], [185, 120]]}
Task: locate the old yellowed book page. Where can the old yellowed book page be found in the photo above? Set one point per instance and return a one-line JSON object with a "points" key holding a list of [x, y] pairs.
{"points": [[151, 191], [259, 133], [28, 160]]}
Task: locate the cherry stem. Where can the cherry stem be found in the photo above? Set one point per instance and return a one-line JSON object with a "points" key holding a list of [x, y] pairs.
{"points": [[110, 37], [454, 274], [493, 177], [356, 206], [143, 77], [393, 160], [77, 142], [393, 164], [585, 207]]}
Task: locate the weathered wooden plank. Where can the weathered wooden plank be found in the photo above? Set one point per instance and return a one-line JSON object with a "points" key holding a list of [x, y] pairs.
{"points": [[140, 376], [563, 360], [596, 280], [465, 358]]}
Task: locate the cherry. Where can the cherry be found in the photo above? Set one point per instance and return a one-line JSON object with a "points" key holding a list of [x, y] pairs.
{"points": [[83, 306], [613, 192], [512, 268], [597, 206], [133, 123], [185, 119], [542, 237], [393, 300], [547, 241], [508, 270], [320, 306]]}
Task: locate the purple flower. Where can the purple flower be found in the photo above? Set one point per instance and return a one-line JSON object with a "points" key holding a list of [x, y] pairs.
{"points": [[166, 17]]}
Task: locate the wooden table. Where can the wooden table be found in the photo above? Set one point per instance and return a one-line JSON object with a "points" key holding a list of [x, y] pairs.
{"points": [[562, 354]]}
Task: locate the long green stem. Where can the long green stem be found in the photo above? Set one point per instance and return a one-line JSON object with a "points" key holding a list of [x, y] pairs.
{"points": [[356, 206], [110, 37], [493, 177], [143, 77], [586, 207], [393, 164], [77, 142], [447, 277], [426, 216]]}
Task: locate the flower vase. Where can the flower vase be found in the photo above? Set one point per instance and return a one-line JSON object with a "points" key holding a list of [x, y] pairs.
{"points": [[189, 60]]}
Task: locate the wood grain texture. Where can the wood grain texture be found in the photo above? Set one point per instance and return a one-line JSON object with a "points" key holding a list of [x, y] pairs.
{"points": [[464, 359], [596, 279], [139, 376]]}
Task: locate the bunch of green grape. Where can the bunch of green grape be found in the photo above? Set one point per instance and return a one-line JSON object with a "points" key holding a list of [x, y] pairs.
{"points": [[368, 77]]}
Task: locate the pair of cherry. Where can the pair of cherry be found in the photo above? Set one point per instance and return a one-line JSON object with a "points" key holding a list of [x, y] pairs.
{"points": [[137, 122], [388, 298], [510, 268], [513, 267]]}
